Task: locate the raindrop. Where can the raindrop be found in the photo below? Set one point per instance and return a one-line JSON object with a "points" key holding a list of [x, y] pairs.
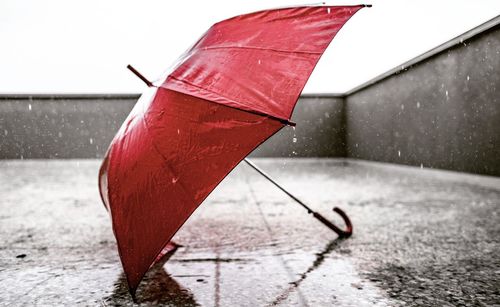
{"points": [[59, 134], [327, 115], [178, 131], [328, 10], [29, 106], [258, 62], [294, 152], [294, 140], [174, 180], [418, 104], [402, 107], [447, 95], [468, 78], [293, 128], [421, 165], [5, 132], [399, 153], [91, 140]]}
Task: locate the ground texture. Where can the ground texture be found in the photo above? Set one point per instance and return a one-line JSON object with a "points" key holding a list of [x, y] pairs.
{"points": [[422, 238]]}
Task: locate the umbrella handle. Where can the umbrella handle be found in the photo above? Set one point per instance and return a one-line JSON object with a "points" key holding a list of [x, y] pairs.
{"points": [[342, 233]]}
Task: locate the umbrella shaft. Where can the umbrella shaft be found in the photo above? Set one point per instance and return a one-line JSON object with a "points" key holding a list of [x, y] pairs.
{"points": [[255, 167]]}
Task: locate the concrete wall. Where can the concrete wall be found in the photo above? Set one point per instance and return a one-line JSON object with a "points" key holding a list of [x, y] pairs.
{"points": [[60, 126], [443, 112], [82, 126], [319, 131]]}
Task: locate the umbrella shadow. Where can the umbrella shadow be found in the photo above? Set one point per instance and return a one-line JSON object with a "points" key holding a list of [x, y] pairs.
{"points": [[157, 288], [320, 258]]}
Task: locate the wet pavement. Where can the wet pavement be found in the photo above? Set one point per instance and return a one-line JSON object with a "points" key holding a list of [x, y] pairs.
{"points": [[421, 238]]}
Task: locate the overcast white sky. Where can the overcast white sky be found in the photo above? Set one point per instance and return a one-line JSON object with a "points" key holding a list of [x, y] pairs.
{"points": [[83, 46]]}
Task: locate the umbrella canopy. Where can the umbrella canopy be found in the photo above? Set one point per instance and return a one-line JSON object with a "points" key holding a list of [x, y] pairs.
{"points": [[236, 87]]}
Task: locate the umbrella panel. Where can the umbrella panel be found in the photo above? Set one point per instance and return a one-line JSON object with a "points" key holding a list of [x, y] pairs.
{"points": [[170, 153]]}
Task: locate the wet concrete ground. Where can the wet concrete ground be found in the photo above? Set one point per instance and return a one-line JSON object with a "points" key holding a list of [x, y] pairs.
{"points": [[422, 238]]}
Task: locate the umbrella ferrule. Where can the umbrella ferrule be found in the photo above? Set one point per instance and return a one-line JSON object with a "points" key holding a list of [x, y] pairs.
{"points": [[140, 76]]}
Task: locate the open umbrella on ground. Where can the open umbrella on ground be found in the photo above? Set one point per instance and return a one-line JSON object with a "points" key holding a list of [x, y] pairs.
{"points": [[235, 88]]}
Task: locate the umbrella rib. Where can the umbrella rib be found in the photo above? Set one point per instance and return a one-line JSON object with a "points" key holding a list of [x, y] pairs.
{"points": [[282, 120]]}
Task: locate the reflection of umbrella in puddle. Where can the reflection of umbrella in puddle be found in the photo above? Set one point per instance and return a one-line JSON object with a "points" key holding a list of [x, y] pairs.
{"points": [[236, 87], [320, 258]]}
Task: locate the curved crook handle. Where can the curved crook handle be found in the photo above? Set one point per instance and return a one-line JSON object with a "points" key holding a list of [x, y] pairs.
{"points": [[342, 233]]}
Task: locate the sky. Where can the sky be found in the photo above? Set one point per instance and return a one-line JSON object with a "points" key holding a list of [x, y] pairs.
{"points": [[84, 46]]}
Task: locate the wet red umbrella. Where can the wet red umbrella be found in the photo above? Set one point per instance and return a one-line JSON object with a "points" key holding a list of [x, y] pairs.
{"points": [[236, 87]]}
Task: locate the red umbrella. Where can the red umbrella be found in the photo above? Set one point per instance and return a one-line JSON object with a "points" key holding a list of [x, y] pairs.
{"points": [[235, 88]]}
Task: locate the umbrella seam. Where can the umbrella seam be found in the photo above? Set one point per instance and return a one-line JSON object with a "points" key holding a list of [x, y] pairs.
{"points": [[159, 152], [257, 48]]}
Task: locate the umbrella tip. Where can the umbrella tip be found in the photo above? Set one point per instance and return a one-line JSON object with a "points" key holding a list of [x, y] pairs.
{"points": [[140, 76], [367, 5], [132, 294]]}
